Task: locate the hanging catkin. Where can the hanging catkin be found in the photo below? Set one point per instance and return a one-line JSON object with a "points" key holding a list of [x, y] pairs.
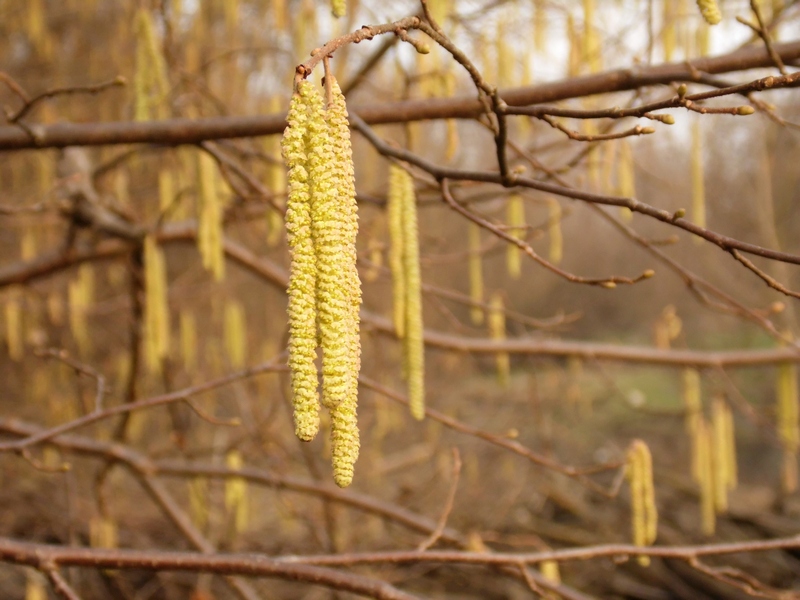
{"points": [[302, 309], [554, 229], [235, 334], [150, 82], [710, 11], [788, 413], [626, 179], [475, 273], [236, 492], [344, 422], [210, 232], [515, 215], [13, 310], [81, 294], [414, 343], [324, 287], [497, 331], [339, 8], [698, 186], [397, 189], [156, 308], [644, 517]]}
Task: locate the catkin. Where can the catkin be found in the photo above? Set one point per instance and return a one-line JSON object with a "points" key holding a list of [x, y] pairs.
{"points": [[703, 445], [668, 36], [414, 343], [235, 335], [788, 413], [724, 457], [515, 214], [710, 11], [150, 80], [156, 308], [236, 492], [339, 8], [302, 308], [644, 516], [344, 422], [626, 179], [81, 294], [188, 341], [210, 232], [14, 337], [475, 273], [497, 331], [554, 229], [394, 210], [698, 185]]}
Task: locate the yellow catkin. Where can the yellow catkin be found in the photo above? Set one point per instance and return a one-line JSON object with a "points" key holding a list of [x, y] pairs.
{"points": [[788, 415], [302, 308], [339, 8], [150, 79], [719, 454], [276, 181], [236, 500], [698, 185], [414, 343], [626, 178], [188, 341], [497, 331], [710, 11], [550, 571], [515, 215], [279, 14], [475, 272], [156, 309], [198, 502], [539, 25], [324, 288], [554, 230], [644, 517], [590, 49], [13, 314], [668, 37], [210, 232], [166, 190], [81, 295], [692, 398], [102, 532], [235, 335], [703, 445], [344, 420], [575, 59], [35, 586], [27, 245], [394, 210], [452, 139]]}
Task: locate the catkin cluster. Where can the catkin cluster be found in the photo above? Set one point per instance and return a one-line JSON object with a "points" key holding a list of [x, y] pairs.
{"points": [[407, 283], [639, 472], [324, 287]]}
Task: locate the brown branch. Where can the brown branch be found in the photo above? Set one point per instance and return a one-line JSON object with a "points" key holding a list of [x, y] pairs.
{"points": [[24, 553], [193, 131]]}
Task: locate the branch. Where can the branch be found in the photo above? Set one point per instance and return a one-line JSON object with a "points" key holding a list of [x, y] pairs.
{"points": [[193, 131]]}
